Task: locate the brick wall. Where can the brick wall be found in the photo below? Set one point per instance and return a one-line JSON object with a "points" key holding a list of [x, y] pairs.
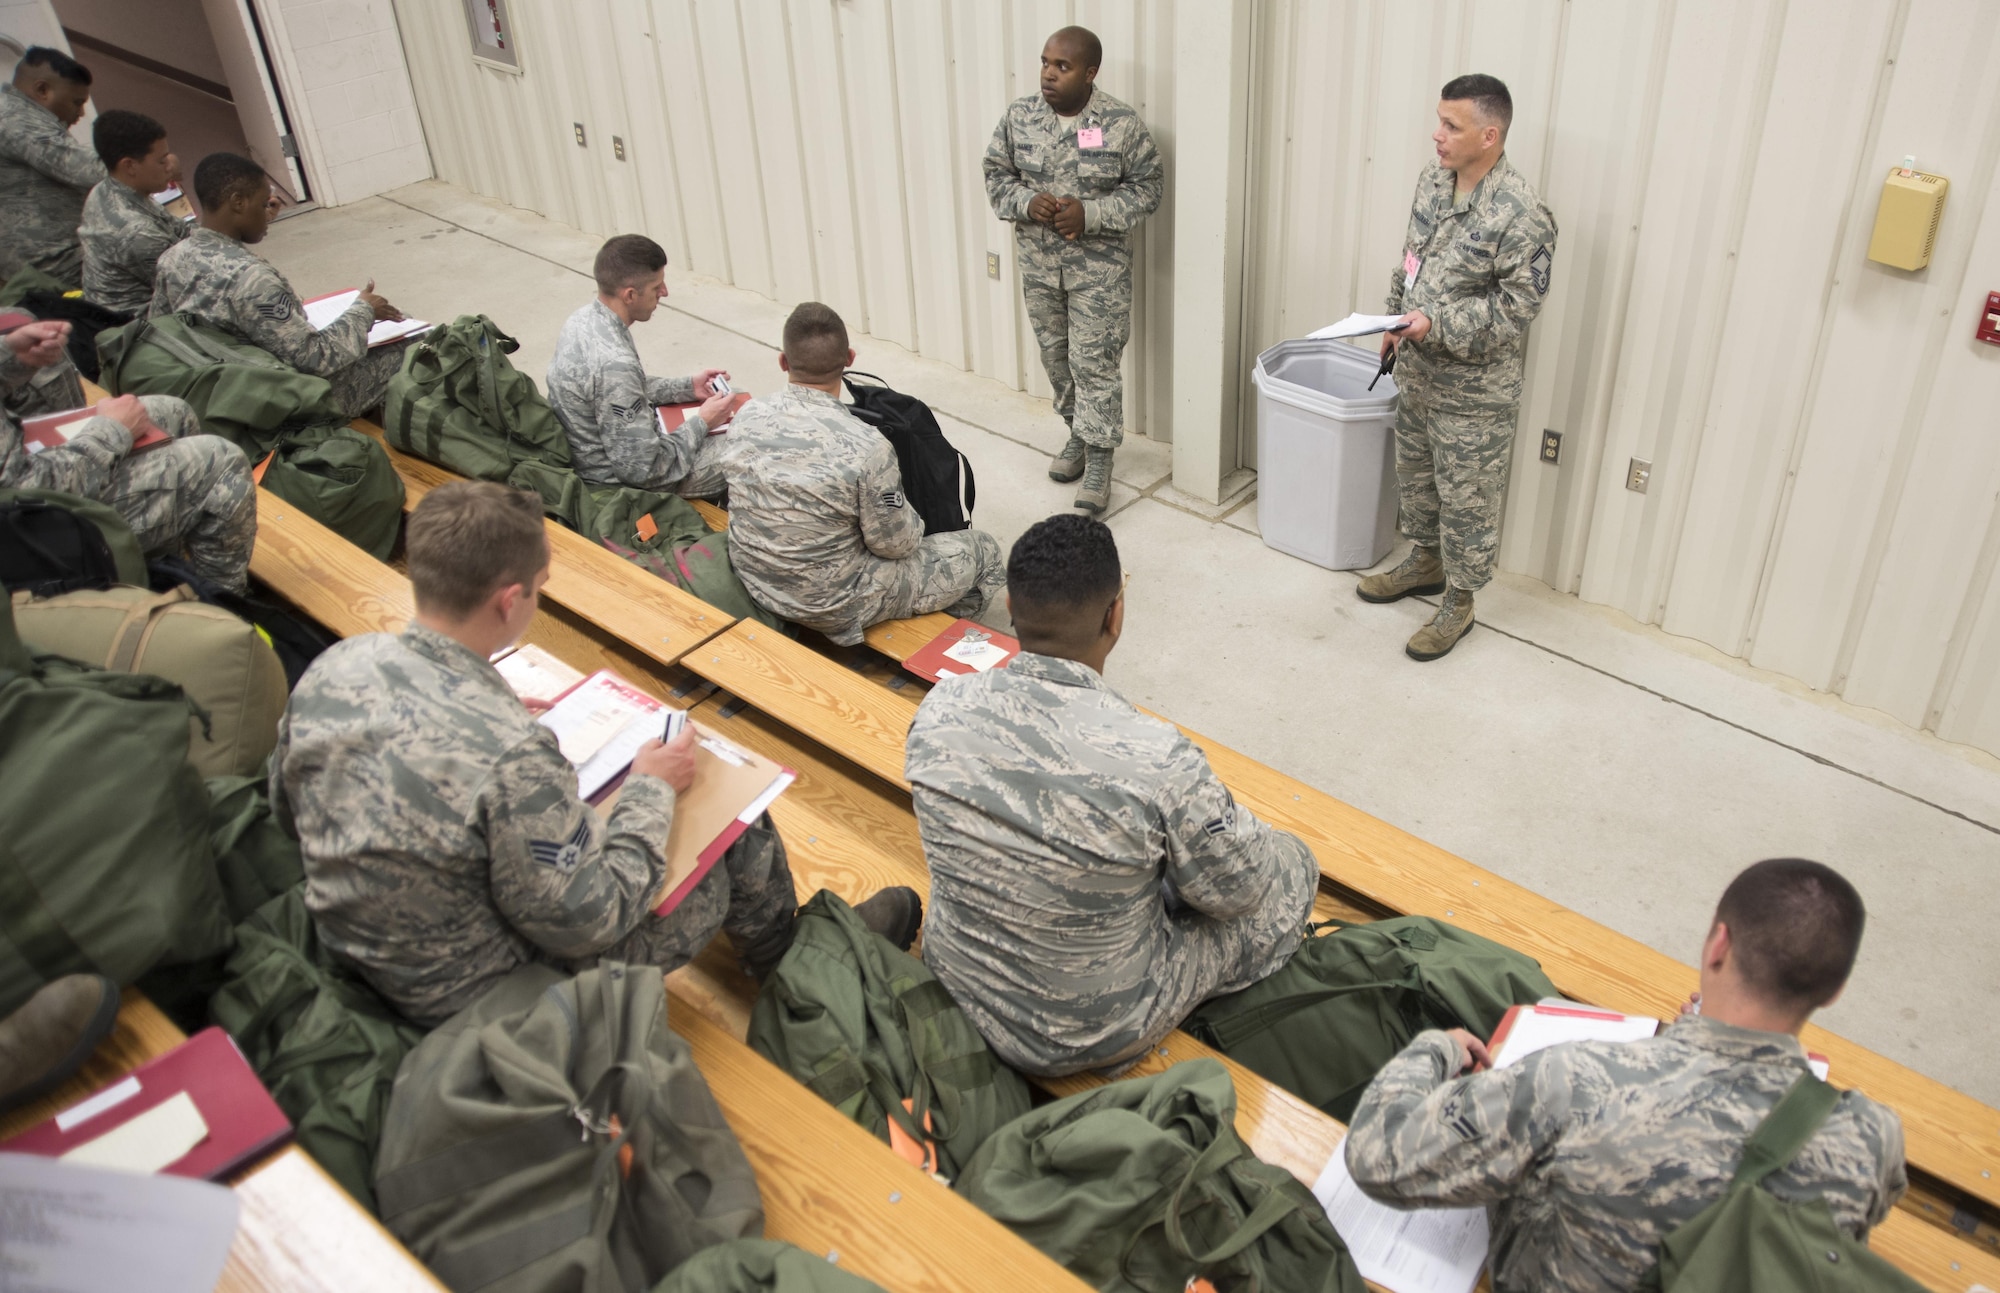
{"points": [[358, 126]]}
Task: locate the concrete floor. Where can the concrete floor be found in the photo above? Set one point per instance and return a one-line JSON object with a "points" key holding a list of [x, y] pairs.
{"points": [[1622, 772]]}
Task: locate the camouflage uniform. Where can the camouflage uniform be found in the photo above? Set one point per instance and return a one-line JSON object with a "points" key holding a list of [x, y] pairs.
{"points": [[223, 283], [444, 843], [1587, 1155], [606, 403], [1079, 294], [194, 492], [1051, 812], [1482, 276], [44, 175], [819, 530], [124, 234]]}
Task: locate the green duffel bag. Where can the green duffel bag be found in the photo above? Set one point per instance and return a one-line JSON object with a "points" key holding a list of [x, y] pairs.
{"points": [[1352, 996], [872, 1032], [1143, 1186], [460, 404], [324, 1043], [761, 1266], [240, 392], [1751, 1241], [556, 1135], [345, 481], [105, 860], [255, 860]]}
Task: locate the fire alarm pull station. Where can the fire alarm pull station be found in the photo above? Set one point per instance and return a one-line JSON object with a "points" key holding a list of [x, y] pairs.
{"points": [[1989, 320]]}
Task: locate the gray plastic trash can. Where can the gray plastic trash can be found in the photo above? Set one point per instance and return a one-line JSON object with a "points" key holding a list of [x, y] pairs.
{"points": [[1326, 466]]}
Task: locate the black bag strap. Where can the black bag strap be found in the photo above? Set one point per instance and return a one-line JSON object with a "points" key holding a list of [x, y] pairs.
{"points": [[971, 482], [1785, 1130]]}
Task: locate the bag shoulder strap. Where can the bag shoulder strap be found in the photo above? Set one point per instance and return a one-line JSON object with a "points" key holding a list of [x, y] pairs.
{"points": [[1785, 1130]]}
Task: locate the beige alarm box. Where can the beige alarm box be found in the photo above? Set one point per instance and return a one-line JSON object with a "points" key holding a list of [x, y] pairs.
{"points": [[1906, 223]]}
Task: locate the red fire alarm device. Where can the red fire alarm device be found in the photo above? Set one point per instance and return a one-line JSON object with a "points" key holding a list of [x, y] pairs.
{"points": [[1989, 320]]}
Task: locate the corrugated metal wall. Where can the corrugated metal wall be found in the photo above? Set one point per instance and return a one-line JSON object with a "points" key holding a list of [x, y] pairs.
{"points": [[804, 149], [1824, 432]]}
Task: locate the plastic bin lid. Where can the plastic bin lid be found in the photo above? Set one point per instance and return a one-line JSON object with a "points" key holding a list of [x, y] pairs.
{"points": [[1325, 377]]}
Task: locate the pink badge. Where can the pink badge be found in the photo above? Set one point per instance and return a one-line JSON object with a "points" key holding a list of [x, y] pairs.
{"points": [[1090, 137], [1411, 264]]}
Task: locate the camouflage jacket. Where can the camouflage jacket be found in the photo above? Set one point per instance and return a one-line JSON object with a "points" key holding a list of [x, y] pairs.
{"points": [[124, 234], [443, 839], [82, 467], [44, 175], [600, 390], [815, 500], [1035, 151], [1051, 808], [1483, 265], [1587, 1155], [223, 283]]}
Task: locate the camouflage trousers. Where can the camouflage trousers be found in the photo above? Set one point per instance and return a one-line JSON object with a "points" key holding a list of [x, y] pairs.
{"points": [[1082, 324], [195, 493], [361, 387], [1451, 482], [961, 572], [705, 477], [748, 895]]}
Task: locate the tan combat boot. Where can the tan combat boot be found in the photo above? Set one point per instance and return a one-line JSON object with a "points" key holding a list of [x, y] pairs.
{"points": [[52, 1034], [1421, 572], [1452, 622], [1094, 495], [1068, 465]]}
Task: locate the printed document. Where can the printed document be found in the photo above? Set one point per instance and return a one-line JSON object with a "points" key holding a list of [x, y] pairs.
{"points": [[322, 311], [71, 1229], [1429, 1250]]}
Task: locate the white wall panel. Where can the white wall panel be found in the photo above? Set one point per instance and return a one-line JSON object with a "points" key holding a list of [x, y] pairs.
{"points": [[803, 149]]}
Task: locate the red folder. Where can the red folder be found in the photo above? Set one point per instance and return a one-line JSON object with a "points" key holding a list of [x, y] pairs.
{"points": [[243, 1121], [672, 415], [931, 664], [47, 431]]}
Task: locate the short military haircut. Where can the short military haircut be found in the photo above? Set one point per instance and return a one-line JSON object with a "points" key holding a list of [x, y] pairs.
{"points": [[118, 134], [469, 539], [627, 261], [222, 176], [1488, 94], [58, 64], [1089, 49], [815, 343], [1063, 565], [1794, 929]]}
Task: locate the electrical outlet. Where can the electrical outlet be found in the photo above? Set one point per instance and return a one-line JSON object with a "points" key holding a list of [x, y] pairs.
{"points": [[618, 147], [1552, 446], [992, 264], [579, 134], [1637, 475]]}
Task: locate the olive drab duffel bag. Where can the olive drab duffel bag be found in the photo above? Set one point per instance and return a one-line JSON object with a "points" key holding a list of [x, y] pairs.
{"points": [[1352, 996], [1751, 1241], [872, 1032], [556, 1135], [222, 662], [1143, 1186], [105, 858], [286, 422], [761, 1266], [460, 404]]}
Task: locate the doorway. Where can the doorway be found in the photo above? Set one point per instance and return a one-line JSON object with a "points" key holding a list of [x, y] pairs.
{"points": [[204, 74]]}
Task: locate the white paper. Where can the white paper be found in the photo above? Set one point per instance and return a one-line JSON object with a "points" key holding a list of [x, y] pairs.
{"points": [[109, 1098], [71, 1229], [534, 674], [157, 1138], [757, 806], [323, 312], [1430, 1250], [1356, 325], [981, 654], [591, 716], [1541, 1027]]}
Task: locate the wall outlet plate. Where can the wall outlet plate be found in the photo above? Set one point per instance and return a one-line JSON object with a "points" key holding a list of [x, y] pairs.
{"points": [[579, 134], [1637, 475], [1552, 446], [618, 147], [992, 264]]}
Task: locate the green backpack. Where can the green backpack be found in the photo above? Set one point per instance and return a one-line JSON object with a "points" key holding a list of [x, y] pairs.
{"points": [[1750, 1239], [323, 1042], [556, 1135], [336, 475], [1143, 1186], [761, 1266], [1352, 996], [105, 861], [870, 1030], [460, 404]]}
